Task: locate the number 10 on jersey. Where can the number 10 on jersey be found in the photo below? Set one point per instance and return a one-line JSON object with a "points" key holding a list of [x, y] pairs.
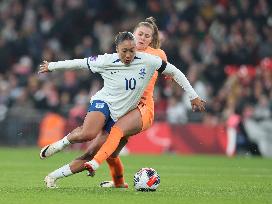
{"points": [[130, 83]]}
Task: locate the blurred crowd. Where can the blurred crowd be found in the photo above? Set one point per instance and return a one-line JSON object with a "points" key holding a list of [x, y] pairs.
{"points": [[223, 47]]}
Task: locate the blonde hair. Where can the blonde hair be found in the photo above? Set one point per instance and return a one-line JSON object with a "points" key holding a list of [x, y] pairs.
{"points": [[151, 23]]}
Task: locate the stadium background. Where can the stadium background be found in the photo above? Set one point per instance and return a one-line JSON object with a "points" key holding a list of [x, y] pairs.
{"points": [[224, 48]]}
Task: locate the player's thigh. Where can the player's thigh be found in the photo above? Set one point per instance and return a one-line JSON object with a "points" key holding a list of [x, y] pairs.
{"points": [[93, 123], [131, 123]]}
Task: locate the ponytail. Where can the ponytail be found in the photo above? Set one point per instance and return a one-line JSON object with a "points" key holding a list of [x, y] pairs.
{"points": [[155, 37]]}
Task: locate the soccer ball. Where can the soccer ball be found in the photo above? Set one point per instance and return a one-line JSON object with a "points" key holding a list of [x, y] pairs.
{"points": [[146, 179]]}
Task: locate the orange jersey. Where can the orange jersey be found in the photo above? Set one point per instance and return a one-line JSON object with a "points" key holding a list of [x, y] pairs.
{"points": [[146, 105], [147, 97]]}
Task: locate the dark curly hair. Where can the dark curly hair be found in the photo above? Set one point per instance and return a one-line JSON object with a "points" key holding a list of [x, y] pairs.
{"points": [[122, 36]]}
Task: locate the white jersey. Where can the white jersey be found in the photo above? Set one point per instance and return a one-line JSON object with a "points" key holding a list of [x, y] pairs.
{"points": [[123, 84]]}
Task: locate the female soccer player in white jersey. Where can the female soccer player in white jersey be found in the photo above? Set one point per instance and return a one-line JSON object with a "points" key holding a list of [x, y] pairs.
{"points": [[125, 77]]}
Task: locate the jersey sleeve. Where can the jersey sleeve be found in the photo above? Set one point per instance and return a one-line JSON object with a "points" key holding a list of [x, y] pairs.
{"points": [[68, 64], [96, 63], [170, 70], [155, 61]]}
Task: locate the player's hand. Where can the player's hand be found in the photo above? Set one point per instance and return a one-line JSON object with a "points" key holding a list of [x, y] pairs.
{"points": [[198, 104], [44, 67]]}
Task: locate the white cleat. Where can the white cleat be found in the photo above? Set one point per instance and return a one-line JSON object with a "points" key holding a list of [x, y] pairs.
{"points": [[48, 151], [110, 184], [50, 182]]}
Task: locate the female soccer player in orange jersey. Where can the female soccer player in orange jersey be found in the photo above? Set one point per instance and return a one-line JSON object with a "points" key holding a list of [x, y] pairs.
{"points": [[147, 40]]}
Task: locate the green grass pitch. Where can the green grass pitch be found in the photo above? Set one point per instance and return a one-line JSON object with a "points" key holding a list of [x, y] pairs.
{"points": [[184, 179]]}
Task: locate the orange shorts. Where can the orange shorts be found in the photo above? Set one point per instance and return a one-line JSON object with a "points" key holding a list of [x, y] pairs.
{"points": [[147, 112]]}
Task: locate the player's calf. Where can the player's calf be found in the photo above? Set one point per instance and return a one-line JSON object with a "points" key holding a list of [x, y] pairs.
{"points": [[51, 149]]}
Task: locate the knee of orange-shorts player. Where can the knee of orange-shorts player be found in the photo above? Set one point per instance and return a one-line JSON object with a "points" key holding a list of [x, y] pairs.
{"points": [[147, 122]]}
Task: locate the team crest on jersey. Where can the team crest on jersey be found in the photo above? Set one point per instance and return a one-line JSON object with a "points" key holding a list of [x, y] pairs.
{"points": [[99, 105], [92, 58], [142, 73]]}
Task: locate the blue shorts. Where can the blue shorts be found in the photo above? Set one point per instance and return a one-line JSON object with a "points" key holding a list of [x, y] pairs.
{"points": [[102, 107]]}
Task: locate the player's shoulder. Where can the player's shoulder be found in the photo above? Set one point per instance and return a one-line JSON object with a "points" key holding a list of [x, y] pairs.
{"points": [[149, 59], [160, 52], [145, 56], [156, 51], [109, 58]]}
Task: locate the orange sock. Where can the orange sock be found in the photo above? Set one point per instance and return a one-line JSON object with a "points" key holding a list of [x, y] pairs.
{"points": [[117, 170], [110, 145]]}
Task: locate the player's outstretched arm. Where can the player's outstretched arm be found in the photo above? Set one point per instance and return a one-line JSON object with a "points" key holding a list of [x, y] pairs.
{"points": [[63, 65], [196, 102]]}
